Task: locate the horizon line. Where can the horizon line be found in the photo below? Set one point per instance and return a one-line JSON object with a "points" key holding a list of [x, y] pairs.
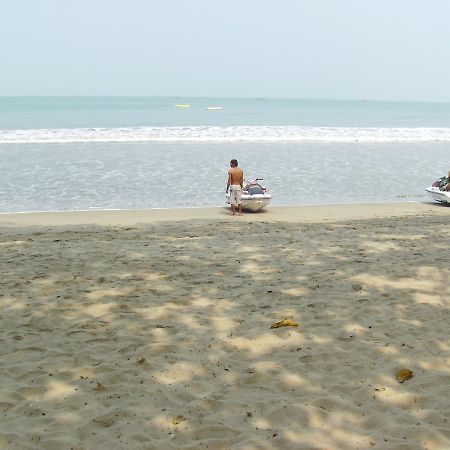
{"points": [[259, 98]]}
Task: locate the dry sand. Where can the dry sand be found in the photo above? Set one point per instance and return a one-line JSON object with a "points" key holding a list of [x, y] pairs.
{"points": [[151, 329]]}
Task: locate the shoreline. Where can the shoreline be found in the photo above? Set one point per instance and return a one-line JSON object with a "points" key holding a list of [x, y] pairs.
{"points": [[294, 213]]}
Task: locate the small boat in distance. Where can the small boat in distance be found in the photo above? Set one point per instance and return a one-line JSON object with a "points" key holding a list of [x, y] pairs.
{"points": [[213, 108], [183, 106]]}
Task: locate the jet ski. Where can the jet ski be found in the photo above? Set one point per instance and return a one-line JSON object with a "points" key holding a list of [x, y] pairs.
{"points": [[437, 190], [254, 197]]}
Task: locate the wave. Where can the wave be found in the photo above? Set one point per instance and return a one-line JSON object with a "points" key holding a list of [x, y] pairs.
{"points": [[224, 134]]}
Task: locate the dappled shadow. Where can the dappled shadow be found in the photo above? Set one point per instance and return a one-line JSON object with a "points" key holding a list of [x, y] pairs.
{"points": [[159, 335]]}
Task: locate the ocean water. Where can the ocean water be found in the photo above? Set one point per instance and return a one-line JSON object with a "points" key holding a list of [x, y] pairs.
{"points": [[81, 153]]}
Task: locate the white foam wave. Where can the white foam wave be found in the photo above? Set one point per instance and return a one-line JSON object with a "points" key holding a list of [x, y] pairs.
{"points": [[224, 134]]}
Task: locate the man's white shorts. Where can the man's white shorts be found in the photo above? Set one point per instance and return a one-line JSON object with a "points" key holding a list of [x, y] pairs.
{"points": [[235, 194]]}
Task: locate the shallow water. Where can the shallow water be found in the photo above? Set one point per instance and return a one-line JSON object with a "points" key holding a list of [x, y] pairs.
{"points": [[153, 175]]}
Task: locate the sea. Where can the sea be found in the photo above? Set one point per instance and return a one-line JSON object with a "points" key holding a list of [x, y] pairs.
{"points": [[91, 153]]}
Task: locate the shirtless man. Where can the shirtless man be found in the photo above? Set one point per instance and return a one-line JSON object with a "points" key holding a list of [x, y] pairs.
{"points": [[234, 185]]}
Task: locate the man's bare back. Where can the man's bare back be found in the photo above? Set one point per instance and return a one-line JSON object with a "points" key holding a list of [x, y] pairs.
{"points": [[236, 176]]}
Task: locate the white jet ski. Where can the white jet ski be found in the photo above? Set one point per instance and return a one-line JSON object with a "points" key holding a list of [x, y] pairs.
{"points": [[254, 196], [436, 190]]}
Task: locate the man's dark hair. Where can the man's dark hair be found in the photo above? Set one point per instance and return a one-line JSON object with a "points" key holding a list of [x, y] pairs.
{"points": [[234, 162]]}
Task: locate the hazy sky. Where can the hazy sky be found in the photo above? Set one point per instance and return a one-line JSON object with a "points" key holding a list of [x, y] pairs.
{"points": [[349, 49]]}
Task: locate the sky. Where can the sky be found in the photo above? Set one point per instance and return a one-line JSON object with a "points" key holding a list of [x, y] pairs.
{"points": [[336, 49]]}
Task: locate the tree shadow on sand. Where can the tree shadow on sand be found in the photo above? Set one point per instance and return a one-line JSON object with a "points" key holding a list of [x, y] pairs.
{"points": [[159, 336]]}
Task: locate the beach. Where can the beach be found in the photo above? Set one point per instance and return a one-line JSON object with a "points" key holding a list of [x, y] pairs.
{"points": [[152, 329]]}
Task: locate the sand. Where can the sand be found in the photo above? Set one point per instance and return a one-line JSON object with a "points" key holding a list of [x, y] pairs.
{"points": [[152, 329]]}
